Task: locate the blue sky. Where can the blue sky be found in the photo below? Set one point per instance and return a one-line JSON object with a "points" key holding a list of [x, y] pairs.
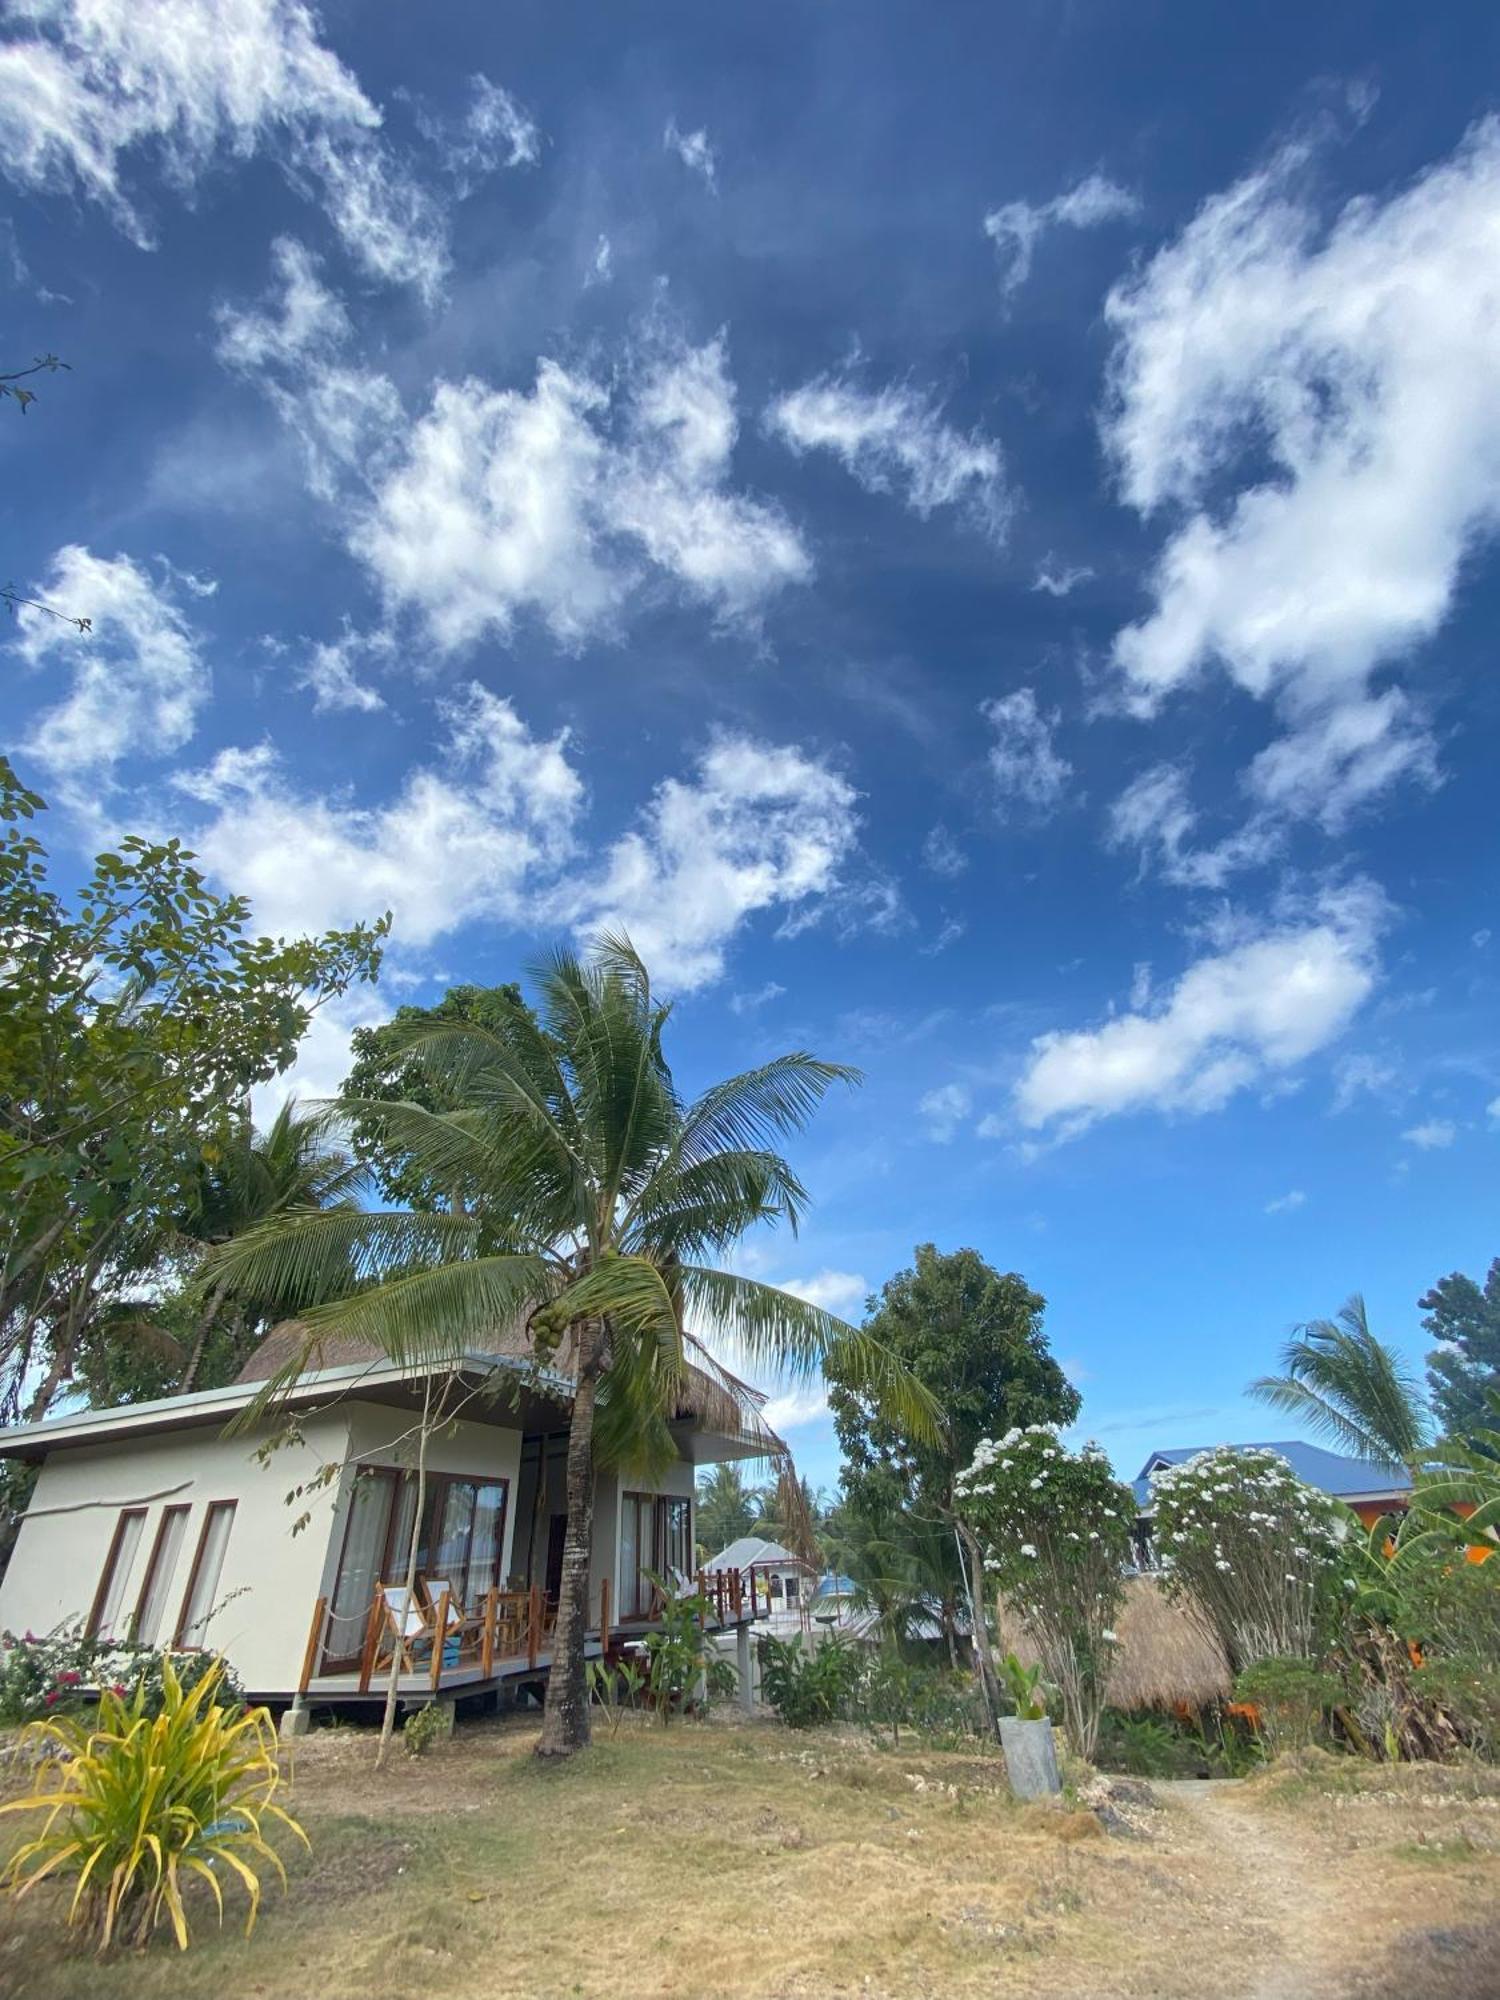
{"points": [[970, 530]]}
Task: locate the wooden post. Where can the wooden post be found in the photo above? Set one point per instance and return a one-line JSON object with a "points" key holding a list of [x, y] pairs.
{"points": [[604, 1614], [372, 1642], [534, 1625], [314, 1641], [487, 1644], [440, 1641]]}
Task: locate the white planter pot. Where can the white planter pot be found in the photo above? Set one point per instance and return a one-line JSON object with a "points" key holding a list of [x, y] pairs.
{"points": [[1030, 1757]]}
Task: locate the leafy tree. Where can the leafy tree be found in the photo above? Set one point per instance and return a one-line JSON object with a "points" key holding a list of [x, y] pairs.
{"points": [[974, 1339], [135, 1022], [1348, 1388], [904, 1560], [598, 1205], [385, 1067], [1466, 1366], [193, 1337], [728, 1507]]}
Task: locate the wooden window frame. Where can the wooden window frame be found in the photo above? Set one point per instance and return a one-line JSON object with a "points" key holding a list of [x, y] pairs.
{"points": [[179, 1636], [434, 1501], [167, 1515], [106, 1575]]}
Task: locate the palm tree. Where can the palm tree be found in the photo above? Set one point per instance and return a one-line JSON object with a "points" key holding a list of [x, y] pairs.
{"points": [[592, 1204], [1349, 1388], [728, 1506], [290, 1168]]}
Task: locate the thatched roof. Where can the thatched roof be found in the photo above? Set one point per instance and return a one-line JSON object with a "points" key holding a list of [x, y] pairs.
{"points": [[713, 1399], [1165, 1655]]}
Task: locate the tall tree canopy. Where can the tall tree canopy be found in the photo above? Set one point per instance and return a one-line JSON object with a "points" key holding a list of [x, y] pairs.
{"points": [[1349, 1388], [599, 1205], [136, 1018], [1461, 1372], [973, 1337]]}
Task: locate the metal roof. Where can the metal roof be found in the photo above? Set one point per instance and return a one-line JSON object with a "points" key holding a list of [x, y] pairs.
{"points": [[754, 1549], [1344, 1478]]}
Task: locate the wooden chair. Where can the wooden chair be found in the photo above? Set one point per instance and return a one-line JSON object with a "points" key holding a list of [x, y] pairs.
{"points": [[403, 1626], [460, 1625]]}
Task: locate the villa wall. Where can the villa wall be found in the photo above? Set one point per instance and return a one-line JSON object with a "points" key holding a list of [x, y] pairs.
{"points": [[271, 1577]]}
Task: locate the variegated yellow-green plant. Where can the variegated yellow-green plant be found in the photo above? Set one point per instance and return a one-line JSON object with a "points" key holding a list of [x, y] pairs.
{"points": [[135, 1805]]}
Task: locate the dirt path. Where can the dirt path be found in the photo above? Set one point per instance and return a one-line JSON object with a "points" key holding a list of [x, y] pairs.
{"points": [[1313, 1921], [1285, 1896]]}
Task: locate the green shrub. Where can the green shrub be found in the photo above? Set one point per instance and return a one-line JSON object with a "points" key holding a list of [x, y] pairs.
{"points": [[420, 1731], [1292, 1697], [1466, 1688], [65, 1673], [136, 1803], [808, 1687]]}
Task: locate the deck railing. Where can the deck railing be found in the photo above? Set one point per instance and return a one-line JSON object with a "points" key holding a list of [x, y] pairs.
{"points": [[510, 1625]]}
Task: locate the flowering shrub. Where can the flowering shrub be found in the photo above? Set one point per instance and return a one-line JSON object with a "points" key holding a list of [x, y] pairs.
{"points": [[65, 1672], [1055, 1529], [1251, 1549]]}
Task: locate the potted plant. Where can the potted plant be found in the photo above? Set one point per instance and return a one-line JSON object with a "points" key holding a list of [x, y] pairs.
{"points": [[1026, 1736]]}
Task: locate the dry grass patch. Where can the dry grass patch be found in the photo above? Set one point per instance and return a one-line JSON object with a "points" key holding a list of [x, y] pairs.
{"points": [[748, 1862]]}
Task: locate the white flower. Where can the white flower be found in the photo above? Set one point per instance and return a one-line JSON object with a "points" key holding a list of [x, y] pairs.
{"points": [[1109, 1638], [1028, 1549], [1037, 1482], [1221, 1564], [1093, 1534]]}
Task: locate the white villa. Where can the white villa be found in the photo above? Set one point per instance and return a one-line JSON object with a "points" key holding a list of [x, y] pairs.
{"points": [[159, 1522]]}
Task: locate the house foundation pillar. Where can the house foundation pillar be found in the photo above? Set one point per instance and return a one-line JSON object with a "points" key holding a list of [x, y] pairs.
{"points": [[743, 1662], [295, 1721]]}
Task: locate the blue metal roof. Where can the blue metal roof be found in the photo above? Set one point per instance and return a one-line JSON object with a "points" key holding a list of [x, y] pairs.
{"points": [[1344, 1478]]}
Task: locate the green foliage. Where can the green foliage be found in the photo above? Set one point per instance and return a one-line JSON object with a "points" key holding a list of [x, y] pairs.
{"points": [[420, 1731], [679, 1659], [1465, 1686], [135, 1804], [65, 1672], [1349, 1388], [1253, 1549], [615, 1688], [384, 1068], [1024, 1685], [1293, 1696], [1154, 1745], [137, 1018], [1465, 1318], [1055, 1529], [727, 1506], [808, 1686]]}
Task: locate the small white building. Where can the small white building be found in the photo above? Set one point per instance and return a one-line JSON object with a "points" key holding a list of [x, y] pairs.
{"points": [[161, 1521], [776, 1585]]}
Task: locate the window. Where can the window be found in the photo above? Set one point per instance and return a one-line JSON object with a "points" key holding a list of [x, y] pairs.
{"points": [[655, 1534], [117, 1567], [793, 1589], [152, 1602], [460, 1543], [208, 1566]]}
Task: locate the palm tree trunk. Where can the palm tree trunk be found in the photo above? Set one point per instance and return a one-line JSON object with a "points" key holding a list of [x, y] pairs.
{"points": [[200, 1338], [565, 1722]]}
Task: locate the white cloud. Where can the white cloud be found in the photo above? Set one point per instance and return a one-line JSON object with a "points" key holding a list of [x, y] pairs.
{"points": [[98, 84], [794, 1409], [761, 996], [1016, 228], [1363, 1075], [323, 1054], [942, 853], [895, 440], [1492, 1110], [1338, 384], [1063, 581], [476, 834], [137, 681], [1023, 761], [759, 826], [694, 151], [1432, 1135], [331, 676], [602, 269], [1242, 1015], [1285, 1203], [1153, 814], [841, 1292], [943, 1110], [562, 502], [495, 131]]}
